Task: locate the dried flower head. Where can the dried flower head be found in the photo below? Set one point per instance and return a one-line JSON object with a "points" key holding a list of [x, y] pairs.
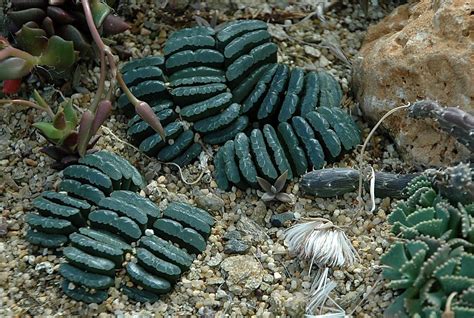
{"points": [[325, 245], [322, 242]]}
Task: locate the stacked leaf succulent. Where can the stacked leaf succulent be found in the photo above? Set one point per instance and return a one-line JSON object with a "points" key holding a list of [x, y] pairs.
{"points": [[435, 260], [224, 81], [98, 212]]}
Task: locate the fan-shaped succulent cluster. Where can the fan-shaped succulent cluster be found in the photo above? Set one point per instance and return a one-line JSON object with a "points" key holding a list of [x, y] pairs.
{"points": [[436, 257], [223, 80], [97, 198], [34, 21]]}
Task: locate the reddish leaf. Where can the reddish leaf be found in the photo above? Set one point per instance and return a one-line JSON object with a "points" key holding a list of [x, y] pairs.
{"points": [[11, 86], [84, 132], [70, 141], [148, 115], [102, 113]]}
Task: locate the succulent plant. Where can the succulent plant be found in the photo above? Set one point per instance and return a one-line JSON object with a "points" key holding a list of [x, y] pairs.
{"points": [[455, 183], [68, 142], [55, 53], [454, 121], [71, 135], [434, 261], [331, 182], [97, 198], [225, 78], [273, 192], [63, 18]]}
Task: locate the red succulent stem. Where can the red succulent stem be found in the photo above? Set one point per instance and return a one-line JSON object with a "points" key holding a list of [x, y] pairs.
{"points": [[100, 45]]}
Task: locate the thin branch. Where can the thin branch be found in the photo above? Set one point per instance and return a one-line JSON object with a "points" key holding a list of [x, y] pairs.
{"points": [[27, 103], [100, 45], [126, 90], [361, 155]]}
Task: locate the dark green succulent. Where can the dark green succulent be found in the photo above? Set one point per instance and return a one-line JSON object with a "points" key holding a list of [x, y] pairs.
{"points": [[98, 215], [435, 260], [226, 79]]}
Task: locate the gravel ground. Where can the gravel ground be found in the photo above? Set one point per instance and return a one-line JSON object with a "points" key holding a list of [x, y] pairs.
{"points": [[263, 281]]}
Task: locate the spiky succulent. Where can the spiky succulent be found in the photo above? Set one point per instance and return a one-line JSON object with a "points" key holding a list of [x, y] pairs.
{"points": [[99, 215], [225, 80], [435, 259], [273, 192]]}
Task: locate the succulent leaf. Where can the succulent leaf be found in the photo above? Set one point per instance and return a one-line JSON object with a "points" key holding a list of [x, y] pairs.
{"points": [[49, 131], [32, 40], [59, 53], [84, 135], [14, 68]]}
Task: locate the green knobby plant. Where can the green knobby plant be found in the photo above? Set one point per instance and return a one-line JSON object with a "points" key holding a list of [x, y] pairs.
{"points": [[97, 197], [432, 267]]}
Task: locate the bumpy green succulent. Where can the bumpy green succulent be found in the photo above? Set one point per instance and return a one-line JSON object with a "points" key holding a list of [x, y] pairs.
{"points": [[99, 214], [224, 79], [454, 121], [331, 182], [435, 258]]}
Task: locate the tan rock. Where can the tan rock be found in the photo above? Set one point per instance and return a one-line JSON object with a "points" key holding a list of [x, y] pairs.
{"points": [[423, 50], [244, 274]]}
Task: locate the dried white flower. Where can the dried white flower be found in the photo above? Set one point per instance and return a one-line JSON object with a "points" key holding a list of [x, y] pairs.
{"points": [[321, 242], [325, 245]]}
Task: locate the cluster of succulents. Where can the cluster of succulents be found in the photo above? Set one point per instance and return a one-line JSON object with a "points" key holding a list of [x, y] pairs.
{"points": [[49, 33], [98, 213], [432, 266], [37, 44], [34, 21], [224, 81]]}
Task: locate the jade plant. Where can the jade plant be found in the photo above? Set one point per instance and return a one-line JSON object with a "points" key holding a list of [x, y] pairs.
{"points": [[61, 18], [214, 83], [98, 217], [71, 134], [432, 267]]}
